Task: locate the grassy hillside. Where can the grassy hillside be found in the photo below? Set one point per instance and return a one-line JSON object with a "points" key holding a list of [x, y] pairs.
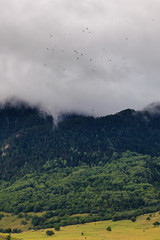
{"points": [[142, 229]]}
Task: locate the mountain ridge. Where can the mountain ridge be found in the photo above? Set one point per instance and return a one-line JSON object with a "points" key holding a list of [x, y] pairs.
{"points": [[28, 136]]}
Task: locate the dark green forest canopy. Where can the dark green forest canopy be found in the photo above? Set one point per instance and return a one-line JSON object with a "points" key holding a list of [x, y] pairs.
{"points": [[107, 167], [29, 139]]}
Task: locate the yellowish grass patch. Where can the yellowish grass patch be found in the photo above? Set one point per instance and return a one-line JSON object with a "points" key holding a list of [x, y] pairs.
{"points": [[142, 229]]}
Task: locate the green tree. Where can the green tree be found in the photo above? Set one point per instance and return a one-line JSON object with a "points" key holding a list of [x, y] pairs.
{"points": [[156, 224], [23, 222], [8, 237], [109, 229], [57, 228], [49, 233], [133, 219]]}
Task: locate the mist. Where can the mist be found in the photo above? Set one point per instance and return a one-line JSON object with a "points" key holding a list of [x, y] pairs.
{"points": [[92, 57]]}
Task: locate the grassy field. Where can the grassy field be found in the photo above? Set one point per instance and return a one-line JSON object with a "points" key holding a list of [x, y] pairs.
{"points": [[142, 229]]}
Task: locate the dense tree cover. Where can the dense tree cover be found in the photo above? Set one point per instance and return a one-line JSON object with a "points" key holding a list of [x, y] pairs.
{"points": [[29, 139], [106, 167], [125, 187]]}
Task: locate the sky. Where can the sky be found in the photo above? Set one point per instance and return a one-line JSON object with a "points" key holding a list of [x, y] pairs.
{"points": [[93, 57]]}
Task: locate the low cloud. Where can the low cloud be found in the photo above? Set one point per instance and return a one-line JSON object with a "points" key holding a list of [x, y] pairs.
{"points": [[89, 56]]}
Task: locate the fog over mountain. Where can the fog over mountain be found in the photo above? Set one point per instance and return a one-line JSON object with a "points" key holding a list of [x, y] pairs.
{"points": [[91, 56]]}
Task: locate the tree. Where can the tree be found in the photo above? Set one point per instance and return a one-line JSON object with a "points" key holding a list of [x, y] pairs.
{"points": [[156, 224], [23, 222], [49, 232], [57, 228], [109, 229], [8, 230], [8, 237], [133, 219]]}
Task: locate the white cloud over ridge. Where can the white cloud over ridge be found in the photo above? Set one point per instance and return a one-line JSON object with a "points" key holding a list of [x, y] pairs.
{"points": [[89, 56]]}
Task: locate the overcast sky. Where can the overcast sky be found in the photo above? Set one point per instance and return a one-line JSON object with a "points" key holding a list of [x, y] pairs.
{"points": [[89, 56]]}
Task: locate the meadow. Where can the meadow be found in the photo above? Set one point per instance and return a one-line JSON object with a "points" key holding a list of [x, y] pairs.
{"points": [[142, 229]]}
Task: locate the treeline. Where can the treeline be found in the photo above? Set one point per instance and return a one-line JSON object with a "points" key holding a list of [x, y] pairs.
{"points": [[9, 230], [44, 222]]}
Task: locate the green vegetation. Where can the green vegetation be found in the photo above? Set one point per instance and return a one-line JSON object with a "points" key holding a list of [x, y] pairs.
{"points": [[57, 228], [49, 232], [124, 229], [9, 230], [156, 224], [133, 219], [109, 229], [29, 140], [121, 189], [81, 171]]}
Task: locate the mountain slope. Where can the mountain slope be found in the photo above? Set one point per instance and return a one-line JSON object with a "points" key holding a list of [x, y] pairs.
{"points": [[29, 139], [106, 167]]}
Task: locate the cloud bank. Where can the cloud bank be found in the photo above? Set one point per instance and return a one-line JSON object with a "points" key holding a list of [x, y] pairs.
{"points": [[91, 56]]}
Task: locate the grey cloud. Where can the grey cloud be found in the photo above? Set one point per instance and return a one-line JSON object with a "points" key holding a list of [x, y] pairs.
{"points": [[88, 56]]}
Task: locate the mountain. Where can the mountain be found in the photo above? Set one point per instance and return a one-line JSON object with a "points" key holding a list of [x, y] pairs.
{"points": [[29, 139], [106, 167]]}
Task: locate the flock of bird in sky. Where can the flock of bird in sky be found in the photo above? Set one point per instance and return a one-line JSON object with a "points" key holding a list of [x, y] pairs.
{"points": [[78, 54]]}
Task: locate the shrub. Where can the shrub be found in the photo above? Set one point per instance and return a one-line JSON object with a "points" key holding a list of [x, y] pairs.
{"points": [[49, 232], [20, 215], [48, 214], [8, 230], [23, 222], [1, 216], [8, 237], [15, 230], [109, 229], [57, 228], [133, 219], [156, 224], [27, 217], [37, 221]]}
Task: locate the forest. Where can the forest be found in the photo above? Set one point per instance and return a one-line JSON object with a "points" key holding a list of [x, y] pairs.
{"points": [[104, 168]]}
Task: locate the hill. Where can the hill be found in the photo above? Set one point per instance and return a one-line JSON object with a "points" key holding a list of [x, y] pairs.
{"points": [[105, 167], [142, 229], [29, 139]]}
